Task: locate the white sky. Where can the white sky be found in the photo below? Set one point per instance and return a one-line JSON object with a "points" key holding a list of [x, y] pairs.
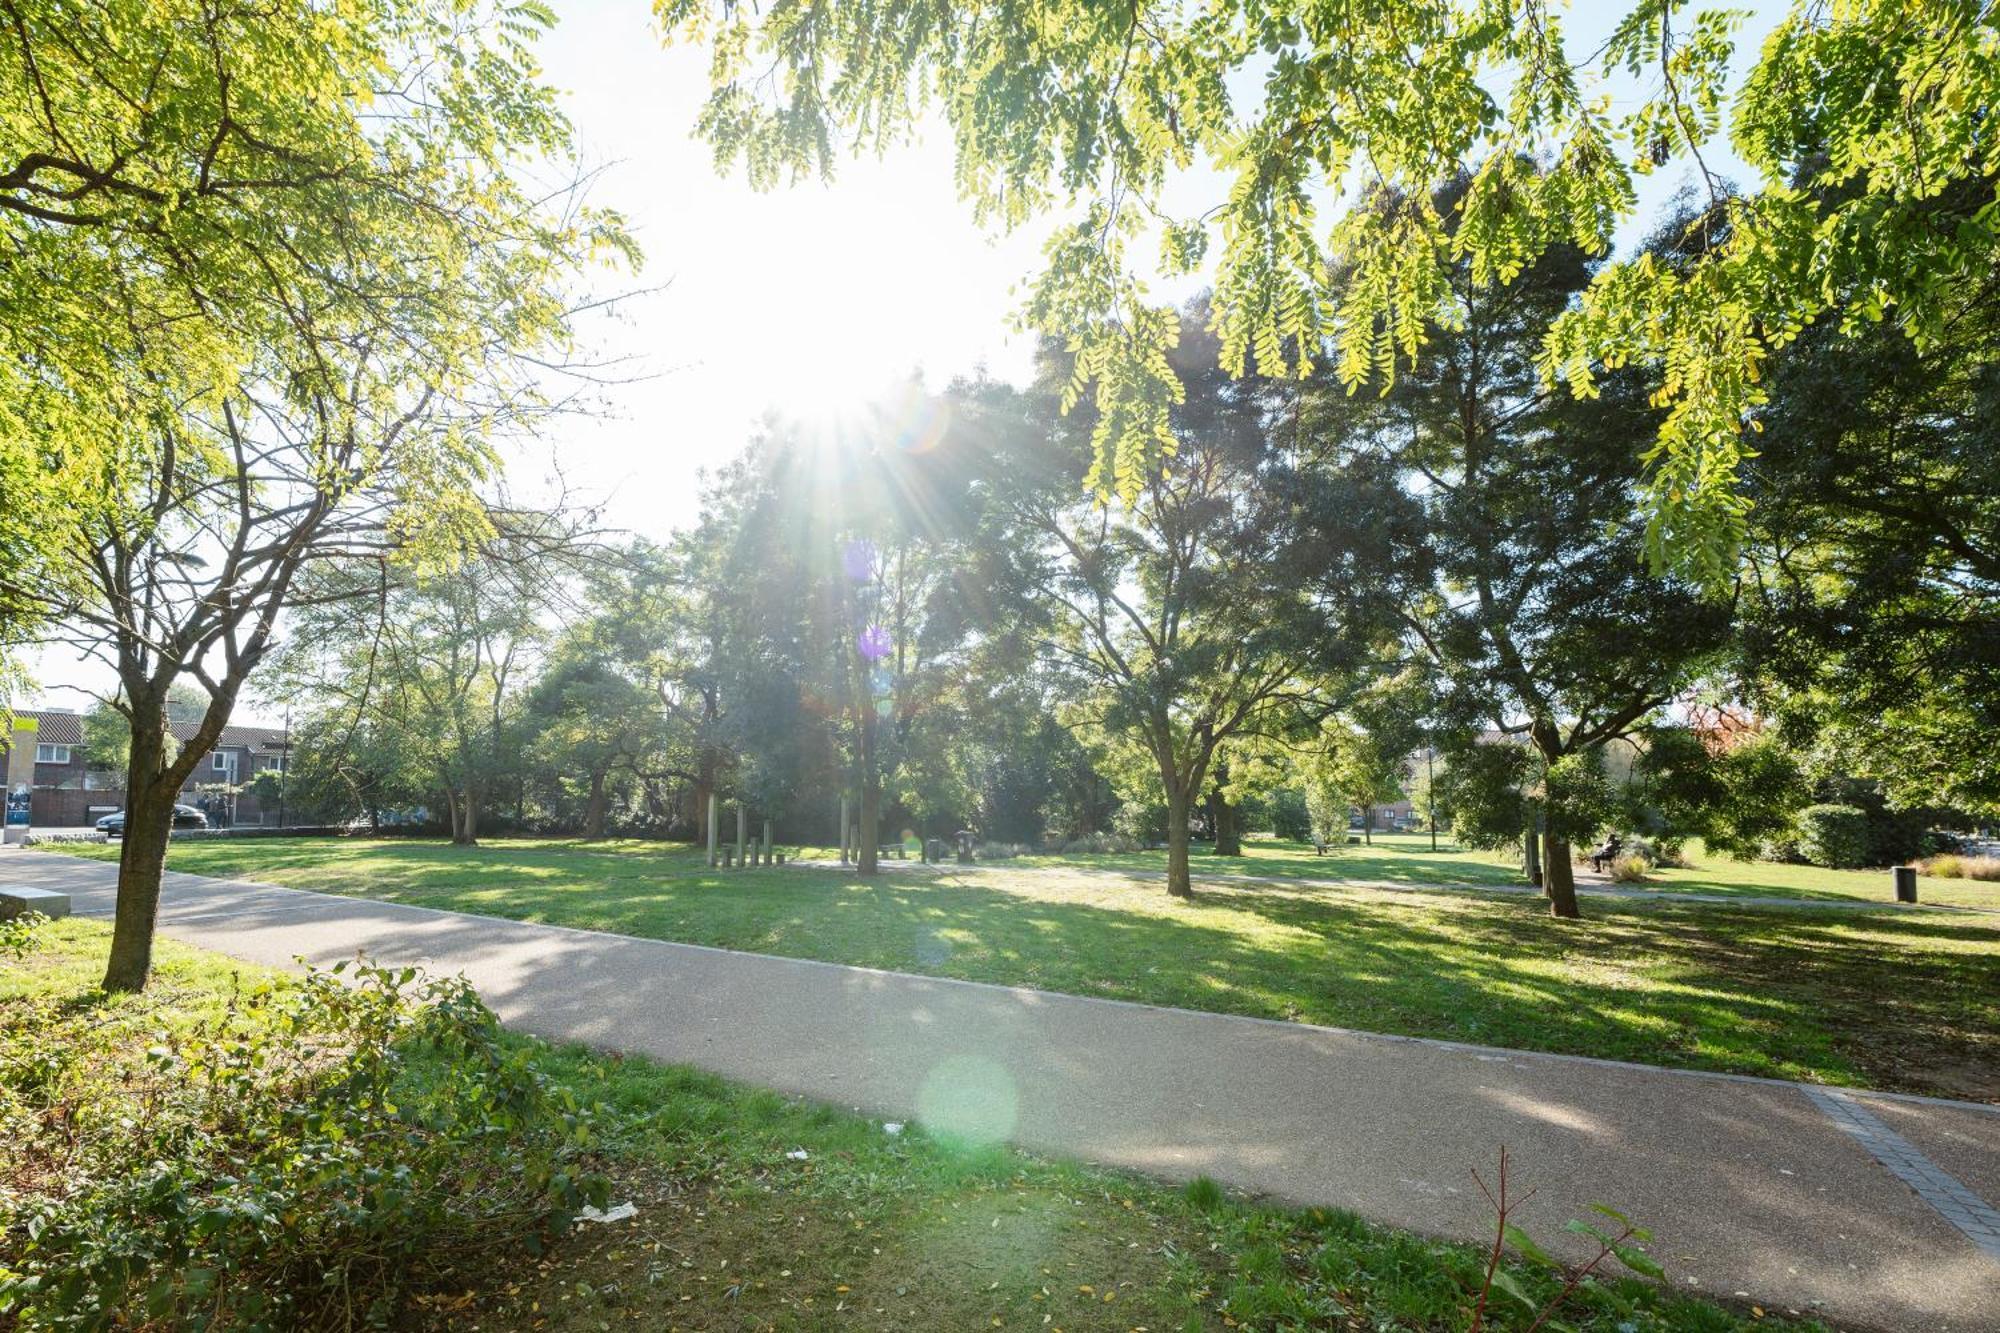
{"points": [[808, 300]]}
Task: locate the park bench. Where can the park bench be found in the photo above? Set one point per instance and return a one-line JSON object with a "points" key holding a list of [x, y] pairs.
{"points": [[1606, 854]]}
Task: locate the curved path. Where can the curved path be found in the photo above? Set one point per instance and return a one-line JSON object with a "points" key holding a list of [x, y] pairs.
{"points": [[1871, 1210]]}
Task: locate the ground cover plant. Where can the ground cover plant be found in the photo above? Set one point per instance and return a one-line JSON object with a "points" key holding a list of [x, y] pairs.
{"points": [[1886, 999], [753, 1210], [245, 1151]]}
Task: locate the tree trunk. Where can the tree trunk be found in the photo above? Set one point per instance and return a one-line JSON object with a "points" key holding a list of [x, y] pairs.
{"points": [[593, 814], [1531, 853], [871, 783], [1228, 821], [1368, 825], [149, 818], [464, 818], [1179, 883], [1558, 878]]}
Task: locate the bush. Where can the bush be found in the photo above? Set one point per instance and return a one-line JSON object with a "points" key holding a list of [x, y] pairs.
{"points": [[1954, 866], [1100, 844], [1289, 817], [311, 1158], [1659, 851], [1001, 851], [1630, 868], [17, 935], [1835, 836]]}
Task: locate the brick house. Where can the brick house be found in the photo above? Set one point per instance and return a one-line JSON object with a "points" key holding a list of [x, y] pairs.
{"points": [[66, 792]]}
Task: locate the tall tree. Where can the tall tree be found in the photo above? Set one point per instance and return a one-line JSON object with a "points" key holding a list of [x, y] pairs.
{"points": [[1510, 513], [281, 275], [1875, 615], [1178, 615], [1850, 116]]}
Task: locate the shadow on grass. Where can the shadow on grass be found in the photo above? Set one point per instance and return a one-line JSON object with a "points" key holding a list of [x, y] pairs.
{"points": [[1889, 1000]]}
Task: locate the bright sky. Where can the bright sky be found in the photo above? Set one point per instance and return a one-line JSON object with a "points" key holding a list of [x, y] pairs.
{"points": [[808, 300]]}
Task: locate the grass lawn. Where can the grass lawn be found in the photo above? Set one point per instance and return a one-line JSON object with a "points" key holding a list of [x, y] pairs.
{"points": [[1907, 1001], [756, 1211], [1407, 858]]}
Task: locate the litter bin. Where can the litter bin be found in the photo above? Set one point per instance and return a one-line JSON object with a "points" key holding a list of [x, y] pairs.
{"points": [[1906, 884]]}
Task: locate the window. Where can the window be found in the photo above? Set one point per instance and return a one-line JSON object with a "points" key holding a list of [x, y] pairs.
{"points": [[52, 754], [219, 762]]}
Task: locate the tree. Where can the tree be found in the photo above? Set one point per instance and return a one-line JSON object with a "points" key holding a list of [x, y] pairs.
{"points": [[107, 732], [1850, 118], [590, 721], [439, 671], [1363, 771], [1874, 619], [1508, 513], [344, 766], [1177, 617], [287, 277]]}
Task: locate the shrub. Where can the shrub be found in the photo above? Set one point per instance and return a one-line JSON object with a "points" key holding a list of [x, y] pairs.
{"points": [[1955, 866], [1001, 851], [1836, 836], [17, 933], [311, 1158], [1658, 851], [1289, 816], [1630, 868], [1100, 844]]}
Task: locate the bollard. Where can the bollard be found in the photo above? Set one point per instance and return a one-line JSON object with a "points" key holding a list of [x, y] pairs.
{"points": [[1906, 884]]}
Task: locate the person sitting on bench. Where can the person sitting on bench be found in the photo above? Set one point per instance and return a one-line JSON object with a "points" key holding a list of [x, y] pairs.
{"points": [[1604, 855]]}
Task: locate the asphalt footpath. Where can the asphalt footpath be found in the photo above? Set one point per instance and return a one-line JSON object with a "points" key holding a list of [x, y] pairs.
{"points": [[1869, 1210]]}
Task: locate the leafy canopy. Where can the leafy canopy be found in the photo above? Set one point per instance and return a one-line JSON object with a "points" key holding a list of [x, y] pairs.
{"points": [[1335, 124]]}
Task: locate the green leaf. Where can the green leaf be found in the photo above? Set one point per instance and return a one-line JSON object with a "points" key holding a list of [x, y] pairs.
{"points": [[1507, 1282], [1525, 1246]]}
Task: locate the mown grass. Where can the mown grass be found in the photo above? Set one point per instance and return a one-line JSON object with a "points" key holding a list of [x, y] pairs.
{"points": [[1907, 1001], [758, 1211], [1407, 859]]}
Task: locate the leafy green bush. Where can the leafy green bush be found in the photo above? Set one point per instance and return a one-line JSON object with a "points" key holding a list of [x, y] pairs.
{"points": [[1630, 868], [310, 1158], [1836, 836], [1289, 817], [17, 934]]}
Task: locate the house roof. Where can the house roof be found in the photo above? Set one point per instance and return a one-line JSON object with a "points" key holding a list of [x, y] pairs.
{"points": [[67, 729]]}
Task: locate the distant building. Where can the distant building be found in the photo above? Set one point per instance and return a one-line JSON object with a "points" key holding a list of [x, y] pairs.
{"points": [[66, 792]]}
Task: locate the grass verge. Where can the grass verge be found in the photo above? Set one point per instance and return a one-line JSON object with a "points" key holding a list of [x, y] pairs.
{"points": [[756, 1211]]}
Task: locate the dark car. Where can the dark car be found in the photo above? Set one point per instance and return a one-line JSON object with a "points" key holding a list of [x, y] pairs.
{"points": [[185, 816]]}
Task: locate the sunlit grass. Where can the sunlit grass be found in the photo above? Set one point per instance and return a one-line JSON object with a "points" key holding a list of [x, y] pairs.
{"points": [[1898, 1000]]}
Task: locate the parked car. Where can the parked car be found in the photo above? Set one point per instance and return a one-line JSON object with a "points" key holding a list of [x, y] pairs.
{"points": [[185, 816]]}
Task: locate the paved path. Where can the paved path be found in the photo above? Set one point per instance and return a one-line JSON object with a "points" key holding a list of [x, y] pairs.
{"points": [[1871, 1210]]}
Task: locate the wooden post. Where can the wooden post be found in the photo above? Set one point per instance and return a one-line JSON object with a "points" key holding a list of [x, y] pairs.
{"points": [[711, 830]]}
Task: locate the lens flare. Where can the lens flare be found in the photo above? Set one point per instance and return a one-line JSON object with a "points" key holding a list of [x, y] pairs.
{"points": [[970, 1099]]}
